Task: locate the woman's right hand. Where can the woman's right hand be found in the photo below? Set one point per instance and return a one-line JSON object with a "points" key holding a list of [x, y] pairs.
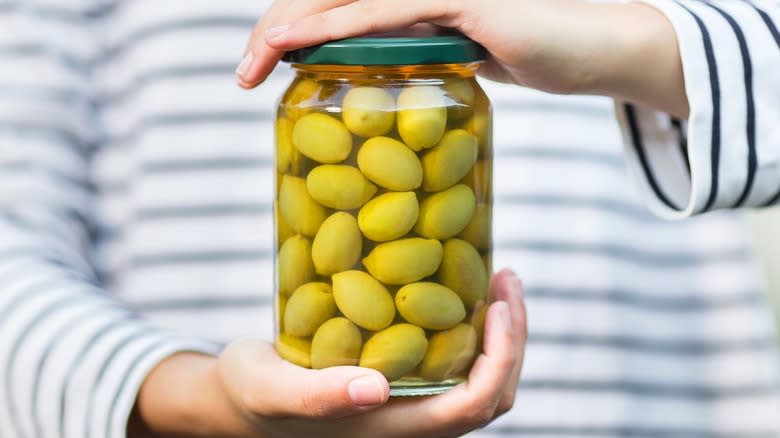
{"points": [[626, 50], [249, 391]]}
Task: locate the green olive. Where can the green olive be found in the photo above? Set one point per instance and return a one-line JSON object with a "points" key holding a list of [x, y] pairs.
{"points": [[480, 124], [449, 353], [295, 264], [283, 230], [337, 245], [337, 342], [368, 111], [391, 164], [395, 351], [404, 261], [322, 138], [363, 299], [487, 260], [449, 161], [430, 305], [301, 212], [461, 92], [389, 216], [477, 232], [445, 214], [309, 306], [284, 147], [463, 271], [299, 100], [282, 303], [339, 186], [478, 316], [480, 180], [422, 116], [294, 349]]}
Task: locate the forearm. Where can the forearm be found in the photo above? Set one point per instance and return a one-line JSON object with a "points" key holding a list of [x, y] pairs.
{"points": [[638, 59]]}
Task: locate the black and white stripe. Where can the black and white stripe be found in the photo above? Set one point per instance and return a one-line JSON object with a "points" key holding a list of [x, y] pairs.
{"points": [[733, 156]]}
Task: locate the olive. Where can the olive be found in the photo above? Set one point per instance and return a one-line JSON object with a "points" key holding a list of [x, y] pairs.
{"points": [[368, 111], [449, 161], [339, 186], [449, 353], [404, 261], [295, 264], [461, 92], [477, 232], [308, 307], [337, 245], [363, 299], [294, 349], [389, 216], [322, 138], [390, 164], [337, 342], [301, 212], [447, 213], [422, 116], [463, 271], [394, 351], [430, 305]]}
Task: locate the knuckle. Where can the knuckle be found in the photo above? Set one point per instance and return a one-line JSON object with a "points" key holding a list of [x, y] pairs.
{"points": [[368, 7], [451, 8], [506, 404], [253, 397], [507, 363], [372, 12], [314, 405], [480, 415], [252, 402]]}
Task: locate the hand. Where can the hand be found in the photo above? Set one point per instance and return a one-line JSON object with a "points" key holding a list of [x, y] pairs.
{"points": [[623, 50], [250, 392]]}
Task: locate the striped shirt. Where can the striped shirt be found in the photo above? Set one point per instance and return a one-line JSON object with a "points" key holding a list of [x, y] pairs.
{"points": [[135, 222]]}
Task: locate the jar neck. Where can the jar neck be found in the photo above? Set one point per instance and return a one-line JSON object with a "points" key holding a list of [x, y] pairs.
{"points": [[387, 72]]}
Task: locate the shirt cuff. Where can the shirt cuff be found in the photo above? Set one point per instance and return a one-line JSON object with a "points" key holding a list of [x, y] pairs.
{"points": [[727, 155]]}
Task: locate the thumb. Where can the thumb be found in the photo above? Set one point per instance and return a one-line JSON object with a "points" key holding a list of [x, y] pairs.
{"points": [[276, 388]]}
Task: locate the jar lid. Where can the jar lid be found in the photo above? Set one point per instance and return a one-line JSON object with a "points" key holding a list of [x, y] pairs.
{"points": [[448, 49]]}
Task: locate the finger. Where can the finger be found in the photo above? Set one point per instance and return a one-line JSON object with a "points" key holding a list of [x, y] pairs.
{"points": [[510, 289], [277, 388], [252, 52], [363, 17], [480, 395], [259, 58]]}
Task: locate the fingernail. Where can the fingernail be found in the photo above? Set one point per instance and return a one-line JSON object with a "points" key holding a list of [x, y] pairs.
{"points": [[274, 32], [503, 310], [246, 64], [366, 391]]}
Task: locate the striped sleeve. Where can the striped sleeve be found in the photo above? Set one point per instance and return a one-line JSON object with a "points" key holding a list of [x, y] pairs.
{"points": [[71, 358], [727, 155]]}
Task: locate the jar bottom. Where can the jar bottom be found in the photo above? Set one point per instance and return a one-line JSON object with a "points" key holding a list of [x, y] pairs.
{"points": [[410, 386]]}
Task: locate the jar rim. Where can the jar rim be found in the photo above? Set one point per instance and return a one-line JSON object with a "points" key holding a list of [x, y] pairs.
{"points": [[450, 49]]}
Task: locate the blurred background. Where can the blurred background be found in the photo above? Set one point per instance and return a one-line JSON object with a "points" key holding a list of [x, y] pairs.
{"points": [[766, 235]]}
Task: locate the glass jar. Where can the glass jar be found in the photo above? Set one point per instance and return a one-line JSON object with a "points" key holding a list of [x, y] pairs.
{"points": [[383, 209]]}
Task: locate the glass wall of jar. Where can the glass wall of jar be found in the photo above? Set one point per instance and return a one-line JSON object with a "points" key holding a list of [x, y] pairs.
{"points": [[383, 210]]}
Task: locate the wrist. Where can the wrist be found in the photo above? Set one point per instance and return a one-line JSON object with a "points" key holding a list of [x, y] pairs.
{"points": [[637, 58], [183, 396]]}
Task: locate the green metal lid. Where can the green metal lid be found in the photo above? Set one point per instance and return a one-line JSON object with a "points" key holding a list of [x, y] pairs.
{"points": [[391, 51]]}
